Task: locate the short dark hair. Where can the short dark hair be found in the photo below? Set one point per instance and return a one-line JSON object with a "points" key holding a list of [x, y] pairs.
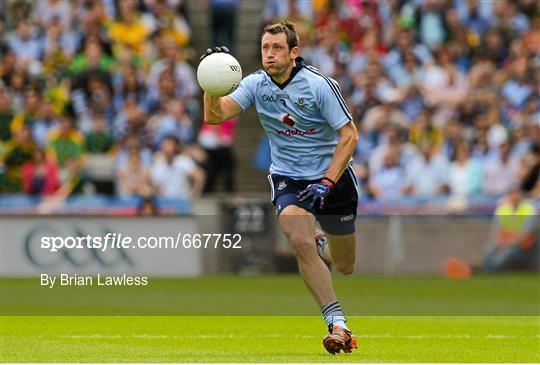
{"points": [[283, 27]]}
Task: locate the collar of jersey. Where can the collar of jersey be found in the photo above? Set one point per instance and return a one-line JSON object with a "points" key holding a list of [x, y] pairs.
{"points": [[299, 64]]}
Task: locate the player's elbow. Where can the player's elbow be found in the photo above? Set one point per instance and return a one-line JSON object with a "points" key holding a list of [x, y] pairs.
{"points": [[212, 118], [352, 140]]}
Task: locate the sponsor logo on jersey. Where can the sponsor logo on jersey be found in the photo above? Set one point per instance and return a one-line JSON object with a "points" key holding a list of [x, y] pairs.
{"points": [[298, 132], [275, 97], [288, 119], [291, 122]]}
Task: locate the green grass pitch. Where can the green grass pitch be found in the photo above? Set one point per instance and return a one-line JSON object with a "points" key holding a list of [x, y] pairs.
{"points": [[267, 339], [396, 319]]}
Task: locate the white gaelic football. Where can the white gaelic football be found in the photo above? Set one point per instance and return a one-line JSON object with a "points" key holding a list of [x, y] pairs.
{"points": [[219, 74]]}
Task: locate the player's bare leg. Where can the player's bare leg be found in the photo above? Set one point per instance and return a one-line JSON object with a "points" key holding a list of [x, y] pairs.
{"points": [[338, 251], [299, 227], [341, 250]]}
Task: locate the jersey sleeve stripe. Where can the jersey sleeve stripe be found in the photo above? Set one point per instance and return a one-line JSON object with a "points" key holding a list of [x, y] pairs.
{"points": [[336, 92]]}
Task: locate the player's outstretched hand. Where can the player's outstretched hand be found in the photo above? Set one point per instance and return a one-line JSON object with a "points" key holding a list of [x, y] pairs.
{"points": [[209, 51], [317, 192]]}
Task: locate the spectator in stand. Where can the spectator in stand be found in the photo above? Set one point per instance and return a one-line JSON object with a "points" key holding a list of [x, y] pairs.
{"points": [[45, 122], [40, 175], [223, 22], [174, 174], [482, 153], [387, 113], [167, 21], [128, 30], [17, 151], [513, 22], [426, 175], [99, 139], [217, 141], [532, 37], [387, 183], [501, 172], [131, 121], [27, 47], [518, 89], [514, 244], [529, 172], [404, 42], [174, 122], [454, 132], [429, 18], [66, 148], [8, 64], [129, 86], [167, 89], [6, 115], [464, 174], [182, 72], [423, 130], [133, 142], [493, 47], [30, 112], [60, 42], [279, 9], [477, 24], [394, 139], [133, 178], [92, 58], [48, 11], [148, 207]]}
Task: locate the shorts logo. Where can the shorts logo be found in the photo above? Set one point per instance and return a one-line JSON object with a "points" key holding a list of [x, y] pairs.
{"points": [[347, 218], [282, 185]]}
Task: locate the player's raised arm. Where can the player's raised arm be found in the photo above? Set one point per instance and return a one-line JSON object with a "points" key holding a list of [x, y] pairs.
{"points": [[218, 109], [219, 80]]}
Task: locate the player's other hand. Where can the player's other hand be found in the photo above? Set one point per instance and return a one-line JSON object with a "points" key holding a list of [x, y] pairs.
{"points": [[209, 51], [317, 192]]}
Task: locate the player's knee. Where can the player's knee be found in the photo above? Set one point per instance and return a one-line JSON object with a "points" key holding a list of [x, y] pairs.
{"points": [[302, 245], [345, 267]]}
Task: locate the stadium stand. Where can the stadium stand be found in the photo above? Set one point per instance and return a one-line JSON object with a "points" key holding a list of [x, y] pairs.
{"points": [[445, 95]]}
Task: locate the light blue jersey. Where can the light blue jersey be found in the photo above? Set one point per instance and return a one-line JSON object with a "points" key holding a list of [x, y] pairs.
{"points": [[300, 117]]}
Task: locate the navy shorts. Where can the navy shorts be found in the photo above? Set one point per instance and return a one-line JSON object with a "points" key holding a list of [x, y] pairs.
{"points": [[339, 214]]}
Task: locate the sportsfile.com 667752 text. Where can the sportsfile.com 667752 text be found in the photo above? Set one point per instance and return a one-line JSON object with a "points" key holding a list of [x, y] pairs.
{"points": [[119, 240]]}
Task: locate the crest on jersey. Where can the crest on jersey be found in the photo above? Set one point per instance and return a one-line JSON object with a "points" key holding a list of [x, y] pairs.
{"points": [[301, 103]]}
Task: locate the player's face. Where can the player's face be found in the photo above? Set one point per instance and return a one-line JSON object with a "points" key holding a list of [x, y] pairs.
{"points": [[276, 55]]}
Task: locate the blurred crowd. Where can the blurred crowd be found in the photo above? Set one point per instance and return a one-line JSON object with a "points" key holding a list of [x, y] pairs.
{"points": [[99, 96], [445, 93]]}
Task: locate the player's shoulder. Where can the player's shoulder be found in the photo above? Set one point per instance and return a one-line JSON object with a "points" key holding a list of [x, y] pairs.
{"points": [[256, 76], [316, 78]]}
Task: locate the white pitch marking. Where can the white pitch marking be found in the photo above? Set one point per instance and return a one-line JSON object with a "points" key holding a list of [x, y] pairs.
{"points": [[367, 336]]}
